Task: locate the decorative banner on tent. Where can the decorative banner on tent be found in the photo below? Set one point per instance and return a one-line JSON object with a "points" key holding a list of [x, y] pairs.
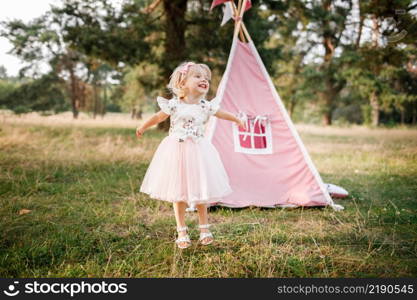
{"points": [[218, 2]]}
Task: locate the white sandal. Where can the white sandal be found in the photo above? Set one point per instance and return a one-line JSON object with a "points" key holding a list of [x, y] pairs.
{"points": [[185, 238], [205, 235]]}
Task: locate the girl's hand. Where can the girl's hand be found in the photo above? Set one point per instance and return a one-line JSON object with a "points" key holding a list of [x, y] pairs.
{"points": [[139, 132], [242, 124]]}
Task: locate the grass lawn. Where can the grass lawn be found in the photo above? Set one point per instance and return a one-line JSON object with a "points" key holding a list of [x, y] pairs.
{"points": [[71, 207]]}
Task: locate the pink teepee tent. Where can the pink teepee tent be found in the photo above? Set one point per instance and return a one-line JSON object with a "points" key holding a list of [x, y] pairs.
{"points": [[268, 165]]}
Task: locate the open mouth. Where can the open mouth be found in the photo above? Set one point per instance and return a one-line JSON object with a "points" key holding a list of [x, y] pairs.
{"points": [[203, 85]]}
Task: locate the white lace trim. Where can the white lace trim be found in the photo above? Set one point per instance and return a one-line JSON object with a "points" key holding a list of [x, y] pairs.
{"points": [[193, 201]]}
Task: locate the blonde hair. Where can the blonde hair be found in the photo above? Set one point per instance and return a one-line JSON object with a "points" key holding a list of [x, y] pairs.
{"points": [[177, 77]]}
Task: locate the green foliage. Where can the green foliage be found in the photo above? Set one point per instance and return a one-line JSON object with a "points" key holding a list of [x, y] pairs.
{"points": [[366, 114], [113, 107], [41, 94], [312, 51], [20, 109], [140, 84], [6, 88], [99, 30]]}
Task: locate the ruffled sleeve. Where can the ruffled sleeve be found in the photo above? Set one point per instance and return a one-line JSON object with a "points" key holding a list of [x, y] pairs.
{"points": [[167, 106], [212, 107]]}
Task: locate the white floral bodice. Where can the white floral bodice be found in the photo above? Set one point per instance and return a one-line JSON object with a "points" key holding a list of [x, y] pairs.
{"points": [[188, 120]]}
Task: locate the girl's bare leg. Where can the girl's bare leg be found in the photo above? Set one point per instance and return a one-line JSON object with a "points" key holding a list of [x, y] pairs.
{"points": [[179, 210], [203, 219]]}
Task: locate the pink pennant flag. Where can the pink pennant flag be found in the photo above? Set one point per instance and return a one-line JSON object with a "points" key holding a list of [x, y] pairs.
{"points": [[248, 5], [218, 2]]}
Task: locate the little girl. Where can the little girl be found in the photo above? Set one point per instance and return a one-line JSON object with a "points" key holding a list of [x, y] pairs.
{"points": [[186, 168]]}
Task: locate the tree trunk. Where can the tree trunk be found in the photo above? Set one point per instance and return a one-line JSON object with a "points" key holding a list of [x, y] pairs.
{"points": [[375, 31], [95, 97], [73, 92], [328, 99], [294, 84], [327, 119], [402, 114], [174, 41], [68, 62], [104, 102], [358, 38], [374, 97], [375, 108], [329, 94]]}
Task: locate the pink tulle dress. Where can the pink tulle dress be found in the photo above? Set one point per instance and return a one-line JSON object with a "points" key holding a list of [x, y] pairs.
{"points": [[186, 166]]}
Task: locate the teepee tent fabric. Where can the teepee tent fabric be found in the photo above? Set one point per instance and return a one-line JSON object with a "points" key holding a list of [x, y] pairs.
{"points": [[268, 165]]}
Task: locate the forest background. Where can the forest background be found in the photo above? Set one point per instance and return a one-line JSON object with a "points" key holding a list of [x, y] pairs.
{"points": [[332, 62]]}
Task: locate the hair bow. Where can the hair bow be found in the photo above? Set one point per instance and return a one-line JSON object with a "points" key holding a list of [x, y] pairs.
{"points": [[185, 68]]}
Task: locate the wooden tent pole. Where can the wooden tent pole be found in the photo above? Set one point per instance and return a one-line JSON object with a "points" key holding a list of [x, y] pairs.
{"points": [[236, 13], [246, 31], [239, 21], [239, 5], [235, 9]]}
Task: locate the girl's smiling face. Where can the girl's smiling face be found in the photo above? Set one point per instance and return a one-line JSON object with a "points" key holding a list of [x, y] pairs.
{"points": [[197, 82]]}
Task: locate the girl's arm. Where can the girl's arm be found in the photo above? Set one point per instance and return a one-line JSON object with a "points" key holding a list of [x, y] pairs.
{"points": [[155, 119], [222, 114]]}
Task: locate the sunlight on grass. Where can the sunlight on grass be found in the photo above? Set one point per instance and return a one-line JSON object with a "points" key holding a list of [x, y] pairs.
{"points": [[80, 180]]}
